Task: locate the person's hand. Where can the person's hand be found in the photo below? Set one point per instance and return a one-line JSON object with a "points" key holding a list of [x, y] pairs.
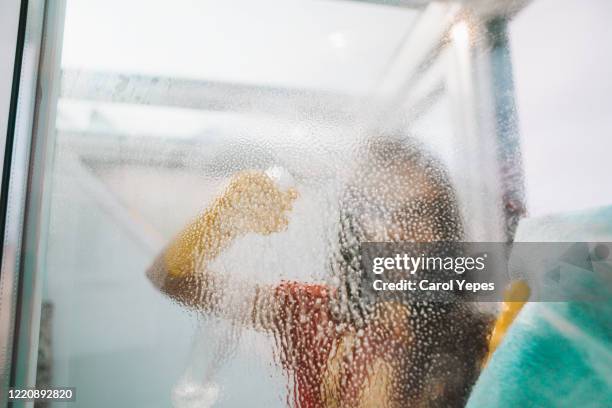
{"points": [[256, 203]]}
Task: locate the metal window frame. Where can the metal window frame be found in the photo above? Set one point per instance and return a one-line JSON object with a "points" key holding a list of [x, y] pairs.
{"points": [[22, 187], [15, 162]]}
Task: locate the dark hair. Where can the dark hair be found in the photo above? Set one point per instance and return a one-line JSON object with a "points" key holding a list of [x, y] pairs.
{"points": [[449, 340], [405, 164]]}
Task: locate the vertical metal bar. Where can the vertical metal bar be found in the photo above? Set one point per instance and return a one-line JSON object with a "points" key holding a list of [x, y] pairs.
{"points": [[9, 28], [8, 280], [509, 151], [481, 86], [37, 200], [477, 179], [15, 178]]}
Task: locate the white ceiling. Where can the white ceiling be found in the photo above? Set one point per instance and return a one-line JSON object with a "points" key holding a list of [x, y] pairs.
{"points": [[315, 44]]}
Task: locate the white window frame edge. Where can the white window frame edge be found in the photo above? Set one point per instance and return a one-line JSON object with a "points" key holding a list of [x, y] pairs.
{"points": [[20, 126]]}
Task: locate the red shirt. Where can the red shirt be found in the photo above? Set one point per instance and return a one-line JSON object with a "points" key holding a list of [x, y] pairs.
{"points": [[305, 338], [329, 360]]}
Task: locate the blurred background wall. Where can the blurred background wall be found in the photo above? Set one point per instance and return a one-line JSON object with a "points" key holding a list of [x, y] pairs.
{"points": [[562, 65]]}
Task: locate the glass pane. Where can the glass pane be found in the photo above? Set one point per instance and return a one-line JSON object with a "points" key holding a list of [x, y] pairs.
{"points": [[562, 97], [217, 165]]}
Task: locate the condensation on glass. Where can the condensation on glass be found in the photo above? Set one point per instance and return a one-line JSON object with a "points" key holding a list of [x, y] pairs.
{"points": [[239, 152]]}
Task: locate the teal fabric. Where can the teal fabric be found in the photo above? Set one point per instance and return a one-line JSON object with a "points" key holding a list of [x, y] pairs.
{"points": [[557, 354], [554, 355]]}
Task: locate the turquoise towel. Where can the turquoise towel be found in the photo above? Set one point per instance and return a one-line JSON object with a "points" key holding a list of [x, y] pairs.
{"points": [[556, 354]]}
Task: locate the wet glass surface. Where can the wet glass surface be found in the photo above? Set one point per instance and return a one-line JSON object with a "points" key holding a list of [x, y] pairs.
{"points": [[240, 156]]}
